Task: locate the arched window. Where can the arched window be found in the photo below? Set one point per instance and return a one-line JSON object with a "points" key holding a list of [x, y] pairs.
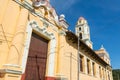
{"points": [[93, 68], [81, 63], [100, 74], [79, 28], [108, 76], [80, 35], [88, 66]]}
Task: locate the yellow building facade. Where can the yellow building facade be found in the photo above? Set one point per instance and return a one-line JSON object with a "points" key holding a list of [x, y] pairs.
{"points": [[35, 44]]}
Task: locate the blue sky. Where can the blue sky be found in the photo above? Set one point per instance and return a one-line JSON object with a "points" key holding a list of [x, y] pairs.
{"points": [[103, 17]]}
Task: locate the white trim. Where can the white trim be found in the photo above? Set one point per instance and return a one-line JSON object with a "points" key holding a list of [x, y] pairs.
{"points": [[10, 71], [12, 65], [51, 55], [32, 25], [27, 44]]}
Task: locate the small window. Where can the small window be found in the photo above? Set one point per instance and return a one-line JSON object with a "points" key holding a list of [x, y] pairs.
{"points": [[79, 28], [81, 63], [94, 70], [100, 72], [88, 66], [80, 35], [108, 76], [80, 21]]}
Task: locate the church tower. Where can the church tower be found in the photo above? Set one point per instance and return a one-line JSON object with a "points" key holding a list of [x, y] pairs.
{"points": [[82, 30], [102, 53]]}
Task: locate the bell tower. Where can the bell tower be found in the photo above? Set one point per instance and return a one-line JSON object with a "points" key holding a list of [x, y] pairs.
{"points": [[103, 54], [82, 30]]}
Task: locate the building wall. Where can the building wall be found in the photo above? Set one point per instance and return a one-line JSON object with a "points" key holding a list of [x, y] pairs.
{"points": [[99, 74], [16, 27], [7, 26], [67, 60], [9, 18]]}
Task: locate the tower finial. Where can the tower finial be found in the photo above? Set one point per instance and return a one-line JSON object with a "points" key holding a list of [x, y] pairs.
{"points": [[102, 47]]}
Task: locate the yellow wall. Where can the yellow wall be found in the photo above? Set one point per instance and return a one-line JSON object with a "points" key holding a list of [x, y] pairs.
{"points": [[14, 30], [8, 20]]}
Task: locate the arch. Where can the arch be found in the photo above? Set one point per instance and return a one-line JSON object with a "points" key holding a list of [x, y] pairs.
{"points": [[80, 36]]}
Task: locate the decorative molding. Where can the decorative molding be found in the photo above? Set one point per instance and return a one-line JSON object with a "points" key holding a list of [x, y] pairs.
{"points": [[31, 9], [45, 24], [4, 71], [33, 26], [62, 32], [10, 68], [12, 65], [42, 31], [49, 24], [25, 4]]}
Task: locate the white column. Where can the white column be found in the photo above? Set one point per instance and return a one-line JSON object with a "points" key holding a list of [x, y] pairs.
{"points": [[27, 44], [85, 64], [51, 58], [91, 68]]}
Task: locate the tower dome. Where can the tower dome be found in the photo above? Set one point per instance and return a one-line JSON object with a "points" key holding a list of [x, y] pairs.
{"points": [[81, 18], [81, 21], [102, 53]]}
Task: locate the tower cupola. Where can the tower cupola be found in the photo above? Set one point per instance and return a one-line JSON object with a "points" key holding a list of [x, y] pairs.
{"points": [[102, 53], [81, 21]]}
